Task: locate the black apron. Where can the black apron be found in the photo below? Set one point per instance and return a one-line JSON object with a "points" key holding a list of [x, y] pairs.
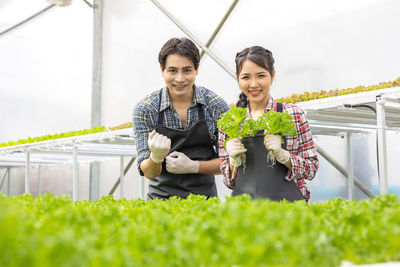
{"points": [[258, 178], [194, 142]]}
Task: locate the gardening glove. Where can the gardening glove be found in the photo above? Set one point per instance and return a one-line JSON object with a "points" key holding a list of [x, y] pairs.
{"points": [[273, 142], [179, 163], [159, 146], [234, 147]]}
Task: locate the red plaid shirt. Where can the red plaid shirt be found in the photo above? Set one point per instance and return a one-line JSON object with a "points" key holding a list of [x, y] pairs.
{"points": [[303, 154]]}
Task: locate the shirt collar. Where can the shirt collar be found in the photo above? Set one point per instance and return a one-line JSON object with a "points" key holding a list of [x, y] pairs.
{"points": [[270, 104], [198, 96], [166, 100]]}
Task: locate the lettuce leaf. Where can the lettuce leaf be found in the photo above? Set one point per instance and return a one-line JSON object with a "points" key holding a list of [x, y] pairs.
{"points": [[234, 123]]}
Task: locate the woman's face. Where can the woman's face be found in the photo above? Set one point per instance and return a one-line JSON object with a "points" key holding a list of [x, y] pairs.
{"points": [[255, 82], [179, 75]]}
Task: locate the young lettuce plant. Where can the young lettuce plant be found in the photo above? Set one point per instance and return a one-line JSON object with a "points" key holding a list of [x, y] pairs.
{"points": [[276, 123], [232, 124], [235, 125]]}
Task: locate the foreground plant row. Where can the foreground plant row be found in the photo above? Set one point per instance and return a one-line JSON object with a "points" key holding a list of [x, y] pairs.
{"points": [[53, 231], [306, 96]]}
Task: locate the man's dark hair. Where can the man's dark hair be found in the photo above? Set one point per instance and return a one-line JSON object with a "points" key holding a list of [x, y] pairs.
{"points": [[183, 47]]}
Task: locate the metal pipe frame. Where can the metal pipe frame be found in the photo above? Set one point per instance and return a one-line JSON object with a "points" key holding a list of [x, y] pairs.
{"points": [[27, 19], [97, 63], [65, 141], [222, 22], [39, 181], [4, 179], [142, 187], [122, 177], [194, 38], [94, 180], [75, 174], [381, 134], [343, 171], [27, 172], [350, 176], [94, 174], [118, 180], [8, 181]]}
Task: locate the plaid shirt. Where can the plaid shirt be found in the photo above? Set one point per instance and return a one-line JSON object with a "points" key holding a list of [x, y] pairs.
{"points": [[303, 154], [145, 116]]}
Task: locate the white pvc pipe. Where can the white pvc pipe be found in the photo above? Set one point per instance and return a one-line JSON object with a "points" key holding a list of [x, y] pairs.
{"points": [[75, 173], [39, 181], [27, 172], [142, 193], [350, 176], [382, 157], [121, 178], [8, 181]]}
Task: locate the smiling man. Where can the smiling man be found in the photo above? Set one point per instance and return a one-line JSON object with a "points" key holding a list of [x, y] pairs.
{"points": [[175, 128]]}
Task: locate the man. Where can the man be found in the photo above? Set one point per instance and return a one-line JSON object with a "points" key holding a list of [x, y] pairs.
{"points": [[175, 128]]}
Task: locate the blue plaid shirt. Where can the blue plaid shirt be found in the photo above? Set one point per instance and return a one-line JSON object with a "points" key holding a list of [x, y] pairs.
{"points": [[145, 116]]}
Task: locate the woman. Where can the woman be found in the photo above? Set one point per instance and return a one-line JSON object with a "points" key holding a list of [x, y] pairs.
{"points": [[296, 159]]}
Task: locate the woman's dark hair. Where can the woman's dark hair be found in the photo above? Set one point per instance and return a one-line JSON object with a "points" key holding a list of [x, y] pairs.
{"points": [[183, 47], [258, 55]]}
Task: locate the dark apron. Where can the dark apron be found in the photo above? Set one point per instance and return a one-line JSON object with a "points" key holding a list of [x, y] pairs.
{"points": [[195, 142], [259, 179]]}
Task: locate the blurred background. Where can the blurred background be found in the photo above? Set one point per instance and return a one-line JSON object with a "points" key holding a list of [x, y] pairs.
{"points": [[46, 70]]}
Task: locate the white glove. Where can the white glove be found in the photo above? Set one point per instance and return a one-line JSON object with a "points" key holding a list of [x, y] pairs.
{"points": [[234, 147], [273, 142], [179, 163], [159, 146]]}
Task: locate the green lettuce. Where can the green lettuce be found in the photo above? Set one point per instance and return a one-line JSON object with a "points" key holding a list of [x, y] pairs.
{"points": [[235, 125]]}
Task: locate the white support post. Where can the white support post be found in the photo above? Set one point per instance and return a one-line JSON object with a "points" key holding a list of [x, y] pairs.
{"points": [[27, 172], [39, 181], [350, 176], [142, 186], [94, 180], [8, 181], [75, 170], [121, 178], [381, 133]]}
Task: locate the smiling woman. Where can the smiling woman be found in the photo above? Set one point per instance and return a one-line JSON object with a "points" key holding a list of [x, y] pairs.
{"points": [[255, 83], [296, 156]]}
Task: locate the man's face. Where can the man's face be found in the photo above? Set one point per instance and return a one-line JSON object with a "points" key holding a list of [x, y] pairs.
{"points": [[179, 75]]}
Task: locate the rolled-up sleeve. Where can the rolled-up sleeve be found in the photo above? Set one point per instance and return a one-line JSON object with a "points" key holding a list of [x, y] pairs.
{"points": [[304, 159], [229, 180]]}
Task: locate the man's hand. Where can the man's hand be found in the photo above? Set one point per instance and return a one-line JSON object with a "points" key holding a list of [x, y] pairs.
{"points": [[159, 146], [273, 142], [234, 147], [179, 163]]}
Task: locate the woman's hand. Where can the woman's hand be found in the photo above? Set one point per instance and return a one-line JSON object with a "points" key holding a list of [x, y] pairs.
{"points": [[234, 147], [273, 142]]}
